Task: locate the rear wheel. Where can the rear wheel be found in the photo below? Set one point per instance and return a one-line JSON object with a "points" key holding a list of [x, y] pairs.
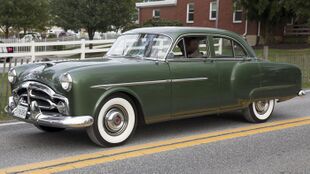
{"points": [[115, 123], [49, 129], [259, 111]]}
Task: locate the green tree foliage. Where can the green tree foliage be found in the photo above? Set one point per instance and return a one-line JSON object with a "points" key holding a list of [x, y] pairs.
{"points": [[32, 14], [270, 13], [300, 8], [92, 15], [23, 14], [153, 23], [7, 16]]}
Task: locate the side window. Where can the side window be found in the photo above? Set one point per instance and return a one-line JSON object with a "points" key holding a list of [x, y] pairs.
{"points": [[179, 49], [191, 47], [239, 51], [223, 47]]}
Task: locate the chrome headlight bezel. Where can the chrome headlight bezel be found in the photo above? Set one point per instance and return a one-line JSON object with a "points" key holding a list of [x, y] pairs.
{"points": [[65, 81], [12, 76]]}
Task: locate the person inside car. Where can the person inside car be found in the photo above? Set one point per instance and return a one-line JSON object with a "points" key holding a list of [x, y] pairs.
{"points": [[192, 47]]}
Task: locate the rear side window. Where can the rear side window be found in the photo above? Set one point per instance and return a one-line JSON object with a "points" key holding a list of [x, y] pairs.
{"points": [[239, 51], [223, 47], [227, 48]]}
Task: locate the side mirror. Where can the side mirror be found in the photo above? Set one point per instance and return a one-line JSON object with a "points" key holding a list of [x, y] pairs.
{"points": [[170, 55]]}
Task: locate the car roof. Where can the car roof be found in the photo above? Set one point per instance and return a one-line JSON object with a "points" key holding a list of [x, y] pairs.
{"points": [[175, 32]]}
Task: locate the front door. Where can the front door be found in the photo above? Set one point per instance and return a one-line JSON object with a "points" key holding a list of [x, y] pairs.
{"points": [[194, 78]]}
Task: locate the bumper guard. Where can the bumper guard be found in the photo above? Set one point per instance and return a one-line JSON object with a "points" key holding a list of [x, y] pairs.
{"points": [[35, 116]]}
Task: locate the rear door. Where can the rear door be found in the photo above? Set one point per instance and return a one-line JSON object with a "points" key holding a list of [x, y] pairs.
{"points": [[194, 80], [228, 54]]}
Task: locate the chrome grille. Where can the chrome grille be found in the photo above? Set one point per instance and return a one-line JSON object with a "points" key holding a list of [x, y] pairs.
{"points": [[45, 97]]}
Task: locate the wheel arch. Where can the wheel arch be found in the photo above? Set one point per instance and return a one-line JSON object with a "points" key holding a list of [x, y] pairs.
{"points": [[125, 91]]}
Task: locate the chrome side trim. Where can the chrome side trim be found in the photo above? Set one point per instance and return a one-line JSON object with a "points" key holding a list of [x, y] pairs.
{"points": [[189, 79], [107, 86]]}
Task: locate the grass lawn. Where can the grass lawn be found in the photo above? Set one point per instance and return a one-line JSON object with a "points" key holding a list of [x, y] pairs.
{"points": [[284, 52], [4, 96]]}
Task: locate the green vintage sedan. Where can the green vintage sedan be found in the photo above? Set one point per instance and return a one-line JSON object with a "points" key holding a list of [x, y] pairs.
{"points": [[151, 75]]}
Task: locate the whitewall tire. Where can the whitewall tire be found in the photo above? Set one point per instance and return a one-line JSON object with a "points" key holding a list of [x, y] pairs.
{"points": [[259, 111], [115, 122]]}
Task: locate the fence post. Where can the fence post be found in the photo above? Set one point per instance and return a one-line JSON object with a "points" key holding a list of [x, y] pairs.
{"points": [[32, 50], [265, 53], [45, 45], [83, 49]]}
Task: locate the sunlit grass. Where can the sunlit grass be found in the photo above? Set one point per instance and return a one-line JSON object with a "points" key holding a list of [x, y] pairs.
{"points": [[4, 93]]}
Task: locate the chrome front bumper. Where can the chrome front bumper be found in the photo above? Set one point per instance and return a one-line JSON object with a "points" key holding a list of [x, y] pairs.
{"points": [[35, 116]]}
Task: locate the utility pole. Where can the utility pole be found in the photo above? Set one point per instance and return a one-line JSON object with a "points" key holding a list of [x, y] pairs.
{"points": [[217, 13]]}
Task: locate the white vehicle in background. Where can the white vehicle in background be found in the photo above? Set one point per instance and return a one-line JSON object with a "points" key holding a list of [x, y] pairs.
{"points": [[31, 37]]}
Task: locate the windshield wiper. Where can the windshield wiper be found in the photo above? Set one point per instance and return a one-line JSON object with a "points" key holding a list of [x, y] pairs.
{"points": [[114, 55], [126, 56]]}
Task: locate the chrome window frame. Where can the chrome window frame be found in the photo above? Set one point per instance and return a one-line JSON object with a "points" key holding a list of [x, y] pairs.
{"points": [[233, 39]]}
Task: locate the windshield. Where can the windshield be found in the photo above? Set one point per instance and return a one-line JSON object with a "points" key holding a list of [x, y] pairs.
{"points": [[141, 45]]}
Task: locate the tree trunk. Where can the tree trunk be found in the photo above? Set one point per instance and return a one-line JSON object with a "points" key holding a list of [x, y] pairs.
{"points": [[91, 33], [6, 32], [25, 30], [257, 41], [266, 34]]}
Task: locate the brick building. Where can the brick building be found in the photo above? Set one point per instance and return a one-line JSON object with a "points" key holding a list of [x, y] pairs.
{"points": [[202, 13]]}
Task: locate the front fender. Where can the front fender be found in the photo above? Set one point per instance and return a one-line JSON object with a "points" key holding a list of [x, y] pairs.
{"points": [[109, 92]]}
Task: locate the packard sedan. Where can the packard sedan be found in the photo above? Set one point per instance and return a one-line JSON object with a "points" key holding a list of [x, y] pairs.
{"points": [[151, 75]]}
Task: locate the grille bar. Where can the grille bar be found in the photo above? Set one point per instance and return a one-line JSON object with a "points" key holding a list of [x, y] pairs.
{"points": [[46, 98]]}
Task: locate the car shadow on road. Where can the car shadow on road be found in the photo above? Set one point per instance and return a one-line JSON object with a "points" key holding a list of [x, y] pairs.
{"points": [[75, 139]]}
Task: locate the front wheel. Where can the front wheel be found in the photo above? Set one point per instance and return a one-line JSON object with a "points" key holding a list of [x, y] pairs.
{"points": [[259, 111], [115, 122]]}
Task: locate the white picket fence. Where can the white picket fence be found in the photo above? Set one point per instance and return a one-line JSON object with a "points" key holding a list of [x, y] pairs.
{"points": [[34, 49]]}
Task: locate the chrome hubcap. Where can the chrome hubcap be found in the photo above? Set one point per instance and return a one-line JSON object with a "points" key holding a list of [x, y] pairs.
{"points": [[262, 106], [116, 120]]}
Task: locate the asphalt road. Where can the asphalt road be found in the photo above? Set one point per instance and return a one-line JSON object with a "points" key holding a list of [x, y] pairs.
{"points": [[270, 150]]}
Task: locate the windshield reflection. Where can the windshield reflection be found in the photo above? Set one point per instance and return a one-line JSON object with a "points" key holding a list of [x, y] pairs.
{"points": [[141, 46]]}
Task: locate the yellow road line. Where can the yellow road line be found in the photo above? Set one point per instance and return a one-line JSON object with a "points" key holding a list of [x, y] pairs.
{"points": [[91, 159]]}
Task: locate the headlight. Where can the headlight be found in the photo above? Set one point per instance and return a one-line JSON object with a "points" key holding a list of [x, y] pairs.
{"points": [[12, 76], [66, 81]]}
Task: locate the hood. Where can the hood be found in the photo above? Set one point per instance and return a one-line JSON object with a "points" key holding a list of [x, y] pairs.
{"points": [[49, 72]]}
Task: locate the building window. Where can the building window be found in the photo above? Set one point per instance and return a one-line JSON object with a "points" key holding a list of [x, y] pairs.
{"points": [[190, 13], [237, 15], [213, 10], [156, 13]]}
